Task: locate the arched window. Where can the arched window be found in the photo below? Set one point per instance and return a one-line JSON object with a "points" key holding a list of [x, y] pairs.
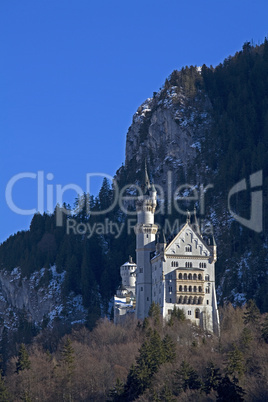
{"points": [[197, 313], [185, 276], [190, 277], [185, 288], [195, 277], [200, 289], [177, 264], [190, 288], [180, 276], [188, 248], [207, 278], [195, 289], [199, 277], [180, 288]]}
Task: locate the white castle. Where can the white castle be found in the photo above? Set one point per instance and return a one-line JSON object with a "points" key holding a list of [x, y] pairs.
{"points": [[179, 273]]}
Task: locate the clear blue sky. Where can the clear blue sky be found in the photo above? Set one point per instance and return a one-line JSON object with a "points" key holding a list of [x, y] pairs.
{"points": [[73, 73]]}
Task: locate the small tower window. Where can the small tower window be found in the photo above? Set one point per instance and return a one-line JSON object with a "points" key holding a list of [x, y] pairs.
{"points": [[188, 248], [197, 313]]}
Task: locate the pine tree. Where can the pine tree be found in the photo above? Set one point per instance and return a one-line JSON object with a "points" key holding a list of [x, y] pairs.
{"points": [[116, 392], [4, 397], [23, 362], [252, 314], [155, 312], [169, 349], [246, 337], [176, 314], [67, 354], [229, 391], [265, 329], [187, 378], [236, 365], [212, 378]]}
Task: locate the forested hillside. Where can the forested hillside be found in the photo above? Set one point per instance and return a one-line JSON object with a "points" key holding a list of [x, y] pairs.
{"points": [[222, 116], [147, 362]]}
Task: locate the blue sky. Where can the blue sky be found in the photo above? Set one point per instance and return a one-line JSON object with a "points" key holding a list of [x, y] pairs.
{"points": [[73, 73]]}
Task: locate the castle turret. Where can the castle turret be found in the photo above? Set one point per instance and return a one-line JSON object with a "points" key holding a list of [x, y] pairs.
{"points": [[145, 244]]}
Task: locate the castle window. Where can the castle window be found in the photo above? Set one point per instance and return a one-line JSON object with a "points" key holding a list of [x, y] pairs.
{"points": [[189, 312], [177, 264], [207, 301], [180, 276], [199, 277], [190, 277], [185, 276], [207, 277], [185, 288], [200, 289], [188, 248], [197, 313], [194, 288], [180, 289], [195, 277], [190, 288], [207, 290]]}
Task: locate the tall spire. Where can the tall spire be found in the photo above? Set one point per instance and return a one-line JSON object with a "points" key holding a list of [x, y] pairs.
{"points": [[147, 184], [196, 224]]}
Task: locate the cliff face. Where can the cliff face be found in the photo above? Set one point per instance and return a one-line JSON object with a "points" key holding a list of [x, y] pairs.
{"points": [[39, 298], [168, 131]]}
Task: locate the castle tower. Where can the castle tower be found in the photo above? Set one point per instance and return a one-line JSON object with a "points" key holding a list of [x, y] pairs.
{"points": [[145, 230]]}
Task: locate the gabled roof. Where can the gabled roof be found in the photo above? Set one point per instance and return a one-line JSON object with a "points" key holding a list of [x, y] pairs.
{"points": [[187, 228]]}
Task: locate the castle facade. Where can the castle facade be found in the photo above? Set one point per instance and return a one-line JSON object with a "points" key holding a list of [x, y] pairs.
{"points": [[176, 273]]}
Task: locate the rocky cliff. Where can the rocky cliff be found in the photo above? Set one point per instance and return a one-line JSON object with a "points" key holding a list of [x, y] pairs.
{"points": [[168, 130], [37, 298]]}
